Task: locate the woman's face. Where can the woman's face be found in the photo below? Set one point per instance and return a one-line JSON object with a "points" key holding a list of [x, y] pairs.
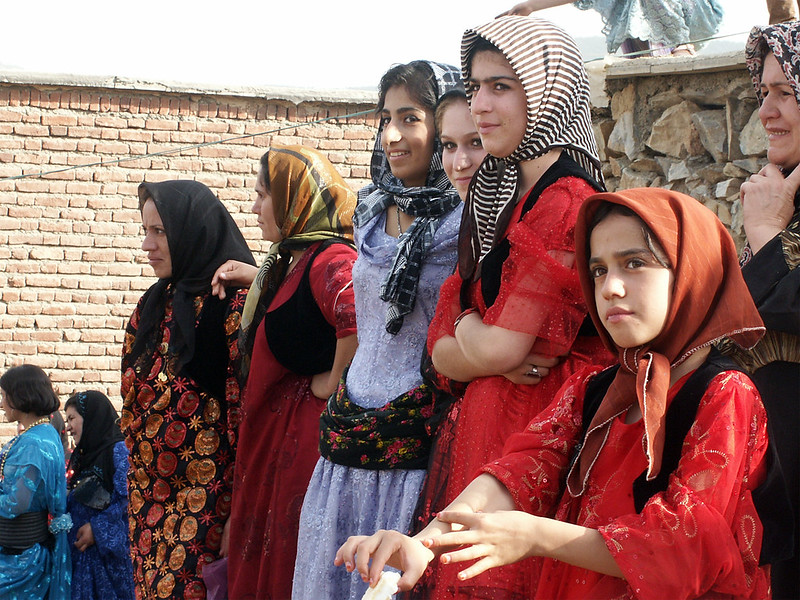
{"points": [[780, 115], [11, 413], [74, 423], [632, 290], [407, 137], [462, 150], [155, 241], [264, 208], [499, 104]]}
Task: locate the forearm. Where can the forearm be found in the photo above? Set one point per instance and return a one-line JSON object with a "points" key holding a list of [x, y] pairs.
{"points": [[496, 349], [573, 544], [451, 362], [345, 350]]}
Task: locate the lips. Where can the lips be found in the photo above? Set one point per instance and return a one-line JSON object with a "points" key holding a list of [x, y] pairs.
{"points": [[616, 314]]}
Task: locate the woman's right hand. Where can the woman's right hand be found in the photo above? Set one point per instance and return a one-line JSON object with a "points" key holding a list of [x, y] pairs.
{"points": [[369, 554], [533, 369], [232, 273]]}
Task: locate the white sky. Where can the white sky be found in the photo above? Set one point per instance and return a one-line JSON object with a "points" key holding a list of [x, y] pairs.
{"points": [[298, 43]]}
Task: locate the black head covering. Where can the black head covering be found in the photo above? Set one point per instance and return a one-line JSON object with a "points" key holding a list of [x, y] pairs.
{"points": [[94, 454], [201, 235]]}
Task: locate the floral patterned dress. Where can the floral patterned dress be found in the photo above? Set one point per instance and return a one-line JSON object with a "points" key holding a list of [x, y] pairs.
{"points": [[182, 442]]}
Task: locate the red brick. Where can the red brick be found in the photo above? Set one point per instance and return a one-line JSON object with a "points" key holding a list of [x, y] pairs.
{"points": [[161, 124]]}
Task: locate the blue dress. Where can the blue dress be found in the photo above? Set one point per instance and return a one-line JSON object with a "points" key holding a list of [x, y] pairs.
{"points": [[34, 479], [342, 501], [104, 570]]}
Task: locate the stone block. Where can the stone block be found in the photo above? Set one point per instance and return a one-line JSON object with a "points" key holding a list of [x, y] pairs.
{"points": [[634, 179], [674, 133], [678, 170], [623, 101], [623, 139], [727, 188], [618, 164], [732, 170], [712, 129], [753, 139], [751, 165]]}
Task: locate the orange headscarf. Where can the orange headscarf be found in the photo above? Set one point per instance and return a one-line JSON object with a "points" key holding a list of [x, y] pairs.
{"points": [[710, 301]]}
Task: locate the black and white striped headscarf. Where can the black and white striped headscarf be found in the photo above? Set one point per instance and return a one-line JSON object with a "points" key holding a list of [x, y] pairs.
{"points": [[427, 204], [550, 68]]}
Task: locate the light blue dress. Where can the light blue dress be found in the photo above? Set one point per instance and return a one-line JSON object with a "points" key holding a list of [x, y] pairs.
{"points": [[34, 479], [667, 22], [342, 501]]}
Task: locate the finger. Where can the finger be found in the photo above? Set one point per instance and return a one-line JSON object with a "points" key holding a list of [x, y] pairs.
{"points": [[364, 553], [464, 554], [454, 538], [479, 567], [345, 555], [468, 519], [380, 557], [542, 361], [794, 177]]}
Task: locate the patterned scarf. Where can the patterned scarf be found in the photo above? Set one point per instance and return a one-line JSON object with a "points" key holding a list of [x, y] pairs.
{"points": [[550, 68], [427, 204], [710, 301], [312, 203]]}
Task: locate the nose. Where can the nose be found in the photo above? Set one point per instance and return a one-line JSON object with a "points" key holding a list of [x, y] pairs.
{"points": [[612, 286], [462, 160], [148, 243], [480, 101], [256, 208], [390, 133], [768, 109]]}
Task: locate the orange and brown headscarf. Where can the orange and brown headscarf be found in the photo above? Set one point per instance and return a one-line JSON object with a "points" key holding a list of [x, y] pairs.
{"points": [[710, 301], [312, 203]]}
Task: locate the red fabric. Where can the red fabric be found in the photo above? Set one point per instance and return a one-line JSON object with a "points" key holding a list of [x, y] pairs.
{"points": [[540, 296], [182, 443], [699, 538], [278, 440]]}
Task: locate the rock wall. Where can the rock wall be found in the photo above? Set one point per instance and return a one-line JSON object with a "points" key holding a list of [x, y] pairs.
{"points": [[688, 124]]}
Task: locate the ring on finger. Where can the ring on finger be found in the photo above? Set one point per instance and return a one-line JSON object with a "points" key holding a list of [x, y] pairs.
{"points": [[533, 371]]}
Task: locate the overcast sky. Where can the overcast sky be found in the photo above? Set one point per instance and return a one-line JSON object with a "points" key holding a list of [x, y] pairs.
{"points": [[297, 43]]}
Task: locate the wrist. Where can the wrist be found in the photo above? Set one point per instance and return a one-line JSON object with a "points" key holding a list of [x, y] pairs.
{"points": [[460, 317]]}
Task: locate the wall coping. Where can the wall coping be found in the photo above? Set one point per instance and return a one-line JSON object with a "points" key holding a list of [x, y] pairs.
{"points": [[289, 94], [619, 68]]}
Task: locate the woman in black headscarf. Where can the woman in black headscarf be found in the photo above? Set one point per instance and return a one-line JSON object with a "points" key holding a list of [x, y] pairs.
{"points": [[179, 388], [97, 500]]}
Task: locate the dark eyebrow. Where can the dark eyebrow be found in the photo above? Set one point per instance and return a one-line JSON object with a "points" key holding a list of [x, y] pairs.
{"points": [[624, 254], [405, 109], [492, 79]]}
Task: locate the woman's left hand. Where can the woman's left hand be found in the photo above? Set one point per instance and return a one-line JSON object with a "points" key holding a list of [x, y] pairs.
{"points": [[533, 369], [497, 538], [768, 204], [85, 537], [232, 272]]}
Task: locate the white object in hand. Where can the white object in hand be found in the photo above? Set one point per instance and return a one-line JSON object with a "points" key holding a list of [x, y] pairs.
{"points": [[385, 588]]}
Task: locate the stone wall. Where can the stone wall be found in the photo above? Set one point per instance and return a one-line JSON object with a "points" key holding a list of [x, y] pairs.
{"points": [[71, 266], [688, 124]]}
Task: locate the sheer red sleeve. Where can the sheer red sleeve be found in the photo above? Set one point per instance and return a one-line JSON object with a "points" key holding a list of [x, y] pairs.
{"points": [[331, 282], [539, 291]]}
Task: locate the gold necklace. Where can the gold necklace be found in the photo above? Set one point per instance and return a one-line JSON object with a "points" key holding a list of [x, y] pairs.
{"points": [[14, 440]]}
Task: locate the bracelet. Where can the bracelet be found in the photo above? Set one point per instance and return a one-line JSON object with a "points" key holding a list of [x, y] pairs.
{"points": [[469, 311]]}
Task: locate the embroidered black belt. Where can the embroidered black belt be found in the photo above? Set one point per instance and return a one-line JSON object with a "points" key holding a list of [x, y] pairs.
{"points": [[22, 532], [392, 436]]}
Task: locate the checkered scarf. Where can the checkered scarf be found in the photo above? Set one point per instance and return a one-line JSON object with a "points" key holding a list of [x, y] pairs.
{"points": [[427, 204], [550, 68]]}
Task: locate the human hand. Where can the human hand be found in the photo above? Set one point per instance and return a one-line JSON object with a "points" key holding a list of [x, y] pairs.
{"points": [[321, 385], [230, 273], [768, 204], [522, 9], [369, 554], [85, 537], [224, 544], [496, 539], [533, 369]]}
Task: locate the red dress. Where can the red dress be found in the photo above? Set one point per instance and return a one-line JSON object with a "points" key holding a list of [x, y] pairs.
{"points": [[700, 538], [278, 439], [538, 295]]}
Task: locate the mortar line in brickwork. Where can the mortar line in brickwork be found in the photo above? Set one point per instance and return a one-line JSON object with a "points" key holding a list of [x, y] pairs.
{"points": [[117, 161]]}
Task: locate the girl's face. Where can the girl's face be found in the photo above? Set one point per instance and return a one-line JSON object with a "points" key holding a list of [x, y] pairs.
{"points": [[462, 150], [265, 210], [632, 290], [407, 137], [499, 104], [74, 423], [780, 115], [155, 241]]}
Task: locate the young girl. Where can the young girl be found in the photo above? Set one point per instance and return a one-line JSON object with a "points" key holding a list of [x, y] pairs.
{"points": [[656, 499], [34, 552], [98, 500], [462, 149], [516, 298], [373, 440]]}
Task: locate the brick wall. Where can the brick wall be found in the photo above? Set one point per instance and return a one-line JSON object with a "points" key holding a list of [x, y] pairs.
{"points": [[71, 266]]}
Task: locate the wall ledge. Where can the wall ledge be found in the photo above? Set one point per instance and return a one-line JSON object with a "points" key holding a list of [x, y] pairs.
{"points": [[618, 68]]}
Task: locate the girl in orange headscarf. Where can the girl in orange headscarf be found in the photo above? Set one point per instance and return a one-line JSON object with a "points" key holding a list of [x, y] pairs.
{"points": [[637, 481]]}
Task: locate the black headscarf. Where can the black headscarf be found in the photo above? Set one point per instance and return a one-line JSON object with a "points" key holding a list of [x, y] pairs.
{"points": [[201, 235], [94, 454]]}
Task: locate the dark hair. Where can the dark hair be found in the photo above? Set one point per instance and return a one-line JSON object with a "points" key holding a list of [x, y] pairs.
{"points": [[416, 77], [265, 168], [606, 209], [482, 45], [445, 102], [28, 389]]}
